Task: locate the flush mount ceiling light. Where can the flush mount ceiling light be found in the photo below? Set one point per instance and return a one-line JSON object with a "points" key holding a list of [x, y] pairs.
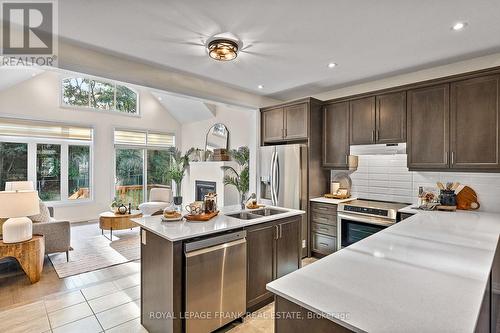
{"points": [[459, 26], [222, 49], [260, 86], [332, 65]]}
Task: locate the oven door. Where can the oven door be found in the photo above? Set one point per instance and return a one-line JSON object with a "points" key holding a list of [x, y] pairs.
{"points": [[352, 228]]}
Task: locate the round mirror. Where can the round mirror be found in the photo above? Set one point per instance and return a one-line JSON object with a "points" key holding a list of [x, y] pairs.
{"points": [[217, 138]]}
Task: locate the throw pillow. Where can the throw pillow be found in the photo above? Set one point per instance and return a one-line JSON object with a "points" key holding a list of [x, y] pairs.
{"points": [[43, 216]]}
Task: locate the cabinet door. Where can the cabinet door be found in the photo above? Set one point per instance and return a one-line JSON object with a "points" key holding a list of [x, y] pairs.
{"points": [[362, 120], [336, 135], [260, 262], [288, 248], [391, 118], [428, 128], [272, 125], [296, 121], [475, 123]]}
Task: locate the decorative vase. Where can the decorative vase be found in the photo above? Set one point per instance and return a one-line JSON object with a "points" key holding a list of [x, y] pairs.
{"points": [[177, 200], [122, 209]]}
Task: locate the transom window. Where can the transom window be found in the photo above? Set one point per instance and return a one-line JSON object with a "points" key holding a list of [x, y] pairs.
{"points": [[55, 157], [98, 95]]}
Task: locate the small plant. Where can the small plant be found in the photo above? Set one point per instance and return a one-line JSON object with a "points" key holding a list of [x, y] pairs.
{"points": [[241, 179], [178, 168]]}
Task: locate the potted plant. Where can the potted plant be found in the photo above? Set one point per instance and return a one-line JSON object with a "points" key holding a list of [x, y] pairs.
{"points": [[117, 202], [239, 178], [177, 170]]}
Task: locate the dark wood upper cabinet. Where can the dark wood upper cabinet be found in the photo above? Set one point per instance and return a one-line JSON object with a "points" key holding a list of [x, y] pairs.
{"points": [[272, 125], [260, 262], [391, 118], [296, 122], [362, 121], [336, 135], [428, 127], [475, 141], [288, 248]]}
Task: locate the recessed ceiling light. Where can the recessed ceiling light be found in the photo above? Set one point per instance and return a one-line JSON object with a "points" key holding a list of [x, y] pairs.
{"points": [[332, 65], [159, 98], [260, 86], [459, 26]]}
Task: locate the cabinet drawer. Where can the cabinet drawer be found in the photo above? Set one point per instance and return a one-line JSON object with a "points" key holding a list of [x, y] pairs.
{"points": [[324, 218], [323, 208], [326, 229], [323, 244]]}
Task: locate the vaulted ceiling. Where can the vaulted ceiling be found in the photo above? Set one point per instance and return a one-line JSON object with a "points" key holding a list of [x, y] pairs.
{"points": [[287, 44]]}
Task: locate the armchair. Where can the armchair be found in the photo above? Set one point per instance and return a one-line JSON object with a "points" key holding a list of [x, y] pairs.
{"points": [[160, 198]]}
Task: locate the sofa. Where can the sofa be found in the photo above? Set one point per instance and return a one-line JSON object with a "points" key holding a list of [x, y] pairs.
{"points": [[57, 234]]}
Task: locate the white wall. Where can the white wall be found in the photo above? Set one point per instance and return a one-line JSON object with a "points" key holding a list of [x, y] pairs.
{"points": [[38, 98], [242, 126], [387, 178]]}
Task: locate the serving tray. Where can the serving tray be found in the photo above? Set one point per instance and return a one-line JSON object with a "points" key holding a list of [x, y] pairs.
{"points": [[201, 217]]}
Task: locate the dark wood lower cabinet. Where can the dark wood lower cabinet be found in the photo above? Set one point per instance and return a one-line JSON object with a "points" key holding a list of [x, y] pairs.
{"points": [[261, 243], [273, 250], [292, 318]]}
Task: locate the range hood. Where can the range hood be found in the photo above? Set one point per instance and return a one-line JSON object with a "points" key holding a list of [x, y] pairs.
{"points": [[379, 149]]}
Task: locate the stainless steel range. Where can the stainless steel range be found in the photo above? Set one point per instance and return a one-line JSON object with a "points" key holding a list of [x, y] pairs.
{"points": [[359, 219]]}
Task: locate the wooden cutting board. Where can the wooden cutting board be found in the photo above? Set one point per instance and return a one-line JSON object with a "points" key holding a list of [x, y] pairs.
{"points": [[467, 198]]}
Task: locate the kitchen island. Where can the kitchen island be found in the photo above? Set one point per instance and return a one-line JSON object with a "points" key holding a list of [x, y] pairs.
{"points": [[433, 272], [198, 276]]}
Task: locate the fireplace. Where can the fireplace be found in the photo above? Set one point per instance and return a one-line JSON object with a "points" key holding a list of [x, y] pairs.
{"points": [[202, 188]]}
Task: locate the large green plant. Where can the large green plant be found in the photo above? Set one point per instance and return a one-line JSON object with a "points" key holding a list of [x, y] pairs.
{"points": [[178, 168], [241, 179]]}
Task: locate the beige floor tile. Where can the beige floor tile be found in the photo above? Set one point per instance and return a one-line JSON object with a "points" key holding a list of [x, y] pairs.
{"points": [[128, 281], [115, 299], [119, 315], [59, 301], [133, 326], [69, 314], [35, 325], [99, 290], [85, 325]]}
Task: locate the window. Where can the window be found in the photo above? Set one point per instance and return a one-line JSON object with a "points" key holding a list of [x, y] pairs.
{"points": [[13, 162], [57, 158], [142, 160], [98, 95]]}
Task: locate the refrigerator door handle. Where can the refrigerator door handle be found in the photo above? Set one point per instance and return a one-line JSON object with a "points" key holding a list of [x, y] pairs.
{"points": [[277, 182], [273, 180]]}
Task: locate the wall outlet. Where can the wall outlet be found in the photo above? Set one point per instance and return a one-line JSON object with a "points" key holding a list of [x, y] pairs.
{"points": [[303, 243]]}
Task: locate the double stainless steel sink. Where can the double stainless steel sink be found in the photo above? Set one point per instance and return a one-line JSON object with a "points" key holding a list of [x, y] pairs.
{"points": [[255, 214]]}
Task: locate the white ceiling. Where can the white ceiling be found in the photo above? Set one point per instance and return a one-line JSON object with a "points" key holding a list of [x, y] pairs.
{"points": [[185, 110], [288, 43], [10, 76]]}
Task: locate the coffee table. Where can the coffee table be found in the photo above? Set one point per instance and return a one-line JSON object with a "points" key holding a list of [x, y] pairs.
{"points": [[111, 221], [29, 254]]}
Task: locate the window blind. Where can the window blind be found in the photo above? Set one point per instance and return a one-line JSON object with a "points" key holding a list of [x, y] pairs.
{"points": [[27, 128], [144, 138]]}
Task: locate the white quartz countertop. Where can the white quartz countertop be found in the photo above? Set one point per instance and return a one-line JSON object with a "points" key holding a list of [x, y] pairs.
{"points": [[175, 231], [427, 273], [331, 201]]}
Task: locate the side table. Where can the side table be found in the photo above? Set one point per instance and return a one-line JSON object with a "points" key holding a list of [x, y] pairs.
{"points": [[29, 254]]}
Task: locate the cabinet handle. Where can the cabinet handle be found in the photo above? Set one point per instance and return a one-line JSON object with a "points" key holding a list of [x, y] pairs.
{"points": [[377, 136], [346, 159], [281, 231], [276, 236], [323, 244], [452, 157], [285, 133], [446, 153], [373, 136]]}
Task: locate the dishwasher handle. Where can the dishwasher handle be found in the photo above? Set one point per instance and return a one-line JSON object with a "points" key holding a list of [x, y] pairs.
{"points": [[215, 248], [213, 241]]}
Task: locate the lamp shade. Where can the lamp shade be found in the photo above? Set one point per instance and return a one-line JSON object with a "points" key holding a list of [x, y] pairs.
{"points": [[18, 204], [19, 186]]}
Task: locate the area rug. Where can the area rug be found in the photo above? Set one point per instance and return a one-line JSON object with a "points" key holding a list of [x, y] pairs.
{"points": [[98, 252]]}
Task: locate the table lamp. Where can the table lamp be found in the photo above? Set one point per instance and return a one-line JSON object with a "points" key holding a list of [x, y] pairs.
{"points": [[16, 206]]}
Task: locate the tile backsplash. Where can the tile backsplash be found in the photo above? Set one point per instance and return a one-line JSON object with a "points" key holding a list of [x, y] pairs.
{"points": [[386, 177]]}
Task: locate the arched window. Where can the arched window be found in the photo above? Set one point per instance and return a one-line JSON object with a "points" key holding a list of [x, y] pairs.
{"points": [[98, 95]]}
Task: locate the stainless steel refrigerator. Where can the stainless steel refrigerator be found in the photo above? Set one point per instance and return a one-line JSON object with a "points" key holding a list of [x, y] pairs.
{"points": [[283, 180]]}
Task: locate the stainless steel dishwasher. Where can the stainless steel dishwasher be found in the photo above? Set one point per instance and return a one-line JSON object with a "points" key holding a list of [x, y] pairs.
{"points": [[216, 272]]}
